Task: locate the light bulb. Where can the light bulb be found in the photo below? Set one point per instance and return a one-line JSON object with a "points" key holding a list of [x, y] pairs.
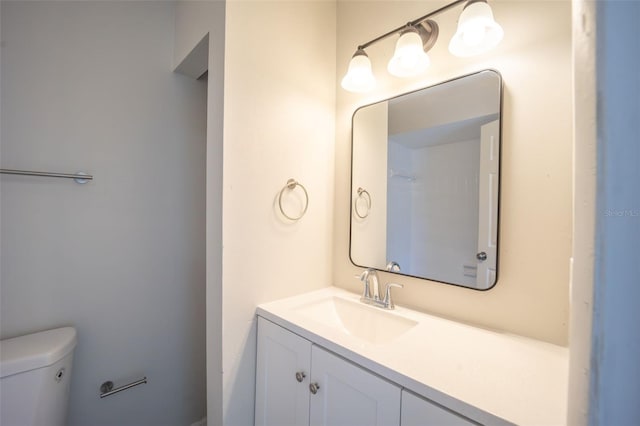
{"points": [[477, 31], [359, 77], [474, 35], [409, 58]]}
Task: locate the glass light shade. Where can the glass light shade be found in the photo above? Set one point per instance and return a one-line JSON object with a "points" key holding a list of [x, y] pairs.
{"points": [[409, 58], [477, 31], [359, 77]]}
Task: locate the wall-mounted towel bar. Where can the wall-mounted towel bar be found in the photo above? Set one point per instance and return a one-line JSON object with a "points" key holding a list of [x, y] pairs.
{"points": [[106, 389], [79, 177]]}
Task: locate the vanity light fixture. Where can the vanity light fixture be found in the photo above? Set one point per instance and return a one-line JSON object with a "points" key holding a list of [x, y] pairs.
{"points": [[477, 33], [359, 77], [410, 57]]}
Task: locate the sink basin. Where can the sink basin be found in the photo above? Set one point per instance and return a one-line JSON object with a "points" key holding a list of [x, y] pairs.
{"points": [[364, 322]]}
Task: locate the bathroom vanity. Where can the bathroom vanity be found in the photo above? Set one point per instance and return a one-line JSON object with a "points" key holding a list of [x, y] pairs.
{"points": [[324, 358]]}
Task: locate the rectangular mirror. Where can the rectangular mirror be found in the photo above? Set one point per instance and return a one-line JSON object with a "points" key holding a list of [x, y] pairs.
{"points": [[425, 182]]}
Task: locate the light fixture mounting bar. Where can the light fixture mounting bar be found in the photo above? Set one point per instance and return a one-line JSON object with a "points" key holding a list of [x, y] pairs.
{"points": [[412, 23]]}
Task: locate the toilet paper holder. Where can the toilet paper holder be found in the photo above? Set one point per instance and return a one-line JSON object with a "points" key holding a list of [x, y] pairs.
{"points": [[106, 389]]}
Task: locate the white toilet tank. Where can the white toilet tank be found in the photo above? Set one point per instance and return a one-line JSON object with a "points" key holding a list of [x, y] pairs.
{"points": [[35, 371]]}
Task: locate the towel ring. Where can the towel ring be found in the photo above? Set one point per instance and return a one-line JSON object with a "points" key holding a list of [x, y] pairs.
{"points": [[361, 194], [291, 185]]}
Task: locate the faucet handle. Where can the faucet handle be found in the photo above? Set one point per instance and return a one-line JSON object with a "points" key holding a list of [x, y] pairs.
{"points": [[388, 302]]}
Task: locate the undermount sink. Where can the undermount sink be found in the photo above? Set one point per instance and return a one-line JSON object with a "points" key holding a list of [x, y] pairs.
{"points": [[364, 322]]}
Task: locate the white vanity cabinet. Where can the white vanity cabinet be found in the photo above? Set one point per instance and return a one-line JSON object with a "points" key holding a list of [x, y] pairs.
{"points": [[417, 411], [350, 395], [283, 367], [290, 368], [415, 368], [300, 383]]}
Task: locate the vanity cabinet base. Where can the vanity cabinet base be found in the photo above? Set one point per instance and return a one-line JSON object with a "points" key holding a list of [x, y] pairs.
{"points": [[299, 383]]}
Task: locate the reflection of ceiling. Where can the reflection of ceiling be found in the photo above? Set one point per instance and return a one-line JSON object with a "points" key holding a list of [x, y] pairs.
{"points": [[460, 99], [457, 131]]}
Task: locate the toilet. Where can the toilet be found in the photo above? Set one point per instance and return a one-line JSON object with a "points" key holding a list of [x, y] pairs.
{"points": [[35, 371]]}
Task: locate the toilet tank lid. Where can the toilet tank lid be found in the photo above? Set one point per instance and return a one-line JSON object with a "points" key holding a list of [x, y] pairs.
{"points": [[36, 350]]}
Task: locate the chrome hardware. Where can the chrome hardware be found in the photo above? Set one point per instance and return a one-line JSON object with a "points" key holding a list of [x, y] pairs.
{"points": [[393, 266], [371, 296], [300, 376], [388, 302], [291, 185], [106, 389], [314, 387], [363, 194], [482, 256], [366, 290], [79, 177], [60, 374]]}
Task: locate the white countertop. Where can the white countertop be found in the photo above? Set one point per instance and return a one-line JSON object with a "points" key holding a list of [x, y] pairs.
{"points": [[488, 376]]}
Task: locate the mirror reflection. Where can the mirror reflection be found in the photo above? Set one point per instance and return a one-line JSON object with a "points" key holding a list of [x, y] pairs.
{"points": [[425, 182]]}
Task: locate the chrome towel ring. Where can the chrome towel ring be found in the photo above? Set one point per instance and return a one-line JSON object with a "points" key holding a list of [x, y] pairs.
{"points": [[362, 194], [291, 185]]}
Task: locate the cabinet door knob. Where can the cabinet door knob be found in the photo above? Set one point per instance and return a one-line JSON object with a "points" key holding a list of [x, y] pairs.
{"points": [[482, 256], [313, 387], [300, 376]]}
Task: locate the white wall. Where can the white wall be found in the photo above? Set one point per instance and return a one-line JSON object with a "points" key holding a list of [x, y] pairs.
{"points": [[445, 222], [531, 296], [89, 86], [428, 214], [399, 207]]}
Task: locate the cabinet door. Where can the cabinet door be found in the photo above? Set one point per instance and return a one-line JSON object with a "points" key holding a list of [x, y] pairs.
{"points": [[281, 400], [349, 395], [417, 411]]}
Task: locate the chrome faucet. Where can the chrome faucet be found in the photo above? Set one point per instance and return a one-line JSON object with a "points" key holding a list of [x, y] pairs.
{"points": [[393, 266], [367, 276], [371, 296]]}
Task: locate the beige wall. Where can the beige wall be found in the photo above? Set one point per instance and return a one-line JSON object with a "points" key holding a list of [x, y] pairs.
{"points": [[279, 110], [278, 74], [370, 233], [531, 296]]}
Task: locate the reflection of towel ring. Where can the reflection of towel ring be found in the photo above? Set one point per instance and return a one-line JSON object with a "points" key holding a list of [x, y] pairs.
{"points": [[291, 185], [361, 194]]}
